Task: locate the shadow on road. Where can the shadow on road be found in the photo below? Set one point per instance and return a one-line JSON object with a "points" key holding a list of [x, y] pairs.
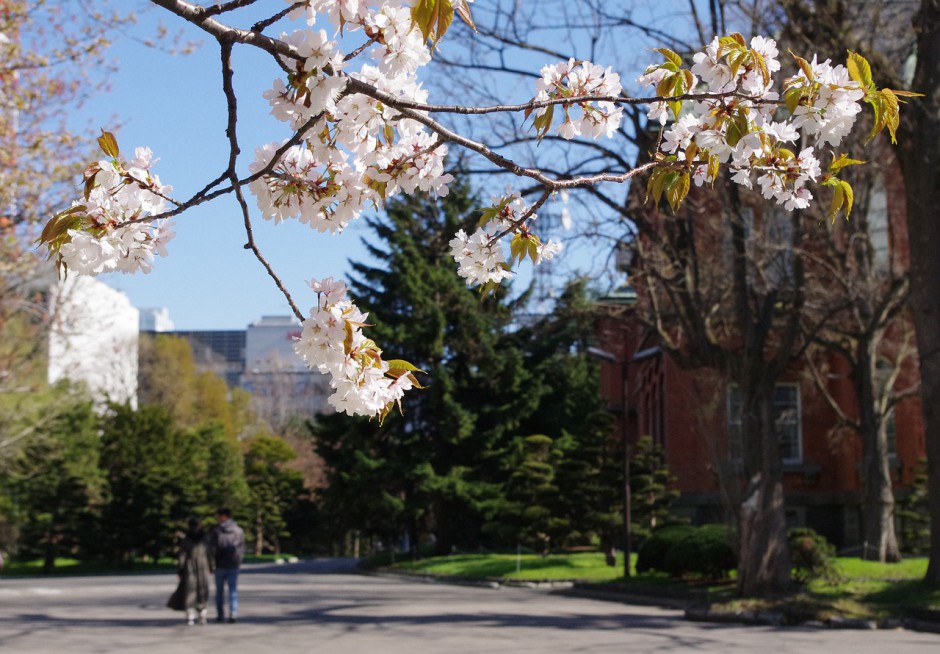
{"points": [[331, 566], [342, 616]]}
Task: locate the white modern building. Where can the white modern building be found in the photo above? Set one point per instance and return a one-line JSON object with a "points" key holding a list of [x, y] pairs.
{"points": [[155, 320], [93, 338]]}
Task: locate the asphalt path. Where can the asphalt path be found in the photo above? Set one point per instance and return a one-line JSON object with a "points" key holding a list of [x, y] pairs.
{"points": [[322, 607]]}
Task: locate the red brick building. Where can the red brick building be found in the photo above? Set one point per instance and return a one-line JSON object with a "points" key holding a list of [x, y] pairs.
{"points": [[695, 416]]}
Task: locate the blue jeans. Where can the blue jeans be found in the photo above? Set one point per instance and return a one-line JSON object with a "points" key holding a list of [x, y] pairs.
{"points": [[226, 576]]}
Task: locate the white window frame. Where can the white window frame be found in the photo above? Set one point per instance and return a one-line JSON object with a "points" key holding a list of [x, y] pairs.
{"points": [[735, 452]]}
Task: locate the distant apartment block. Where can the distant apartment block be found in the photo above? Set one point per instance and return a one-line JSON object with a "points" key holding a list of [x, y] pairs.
{"points": [[221, 352], [261, 359]]}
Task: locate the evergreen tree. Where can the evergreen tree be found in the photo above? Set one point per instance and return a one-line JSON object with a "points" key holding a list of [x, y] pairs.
{"points": [[273, 489], [651, 497], [58, 485], [913, 511], [570, 410], [158, 476], [223, 475], [433, 469], [527, 512], [509, 442]]}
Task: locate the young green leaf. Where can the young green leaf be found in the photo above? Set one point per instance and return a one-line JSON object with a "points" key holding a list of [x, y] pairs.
{"points": [[859, 69], [432, 18], [532, 247], [677, 189], [108, 144], [517, 247], [670, 56], [849, 197], [838, 199], [841, 162]]}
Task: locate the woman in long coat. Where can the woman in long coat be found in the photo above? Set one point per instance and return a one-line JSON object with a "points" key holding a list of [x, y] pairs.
{"points": [[194, 569]]}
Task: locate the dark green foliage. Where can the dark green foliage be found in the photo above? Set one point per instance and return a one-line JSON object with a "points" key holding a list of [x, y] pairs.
{"points": [[587, 468], [224, 475], [526, 513], [651, 497], [652, 554], [913, 511], [460, 467], [57, 502], [683, 550], [812, 556], [158, 476], [274, 489], [706, 552], [150, 469], [433, 469], [121, 486]]}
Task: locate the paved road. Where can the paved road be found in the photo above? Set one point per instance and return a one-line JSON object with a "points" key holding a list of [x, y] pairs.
{"points": [[320, 607]]}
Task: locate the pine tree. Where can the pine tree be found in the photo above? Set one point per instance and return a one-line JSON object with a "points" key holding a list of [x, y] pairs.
{"points": [[58, 484], [913, 512], [273, 489], [650, 490], [570, 410], [432, 470]]}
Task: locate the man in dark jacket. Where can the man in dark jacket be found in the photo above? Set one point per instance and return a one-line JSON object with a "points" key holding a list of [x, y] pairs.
{"points": [[228, 550]]}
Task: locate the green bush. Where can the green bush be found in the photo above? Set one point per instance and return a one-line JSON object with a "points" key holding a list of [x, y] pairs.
{"points": [[811, 556], [652, 554], [706, 551]]}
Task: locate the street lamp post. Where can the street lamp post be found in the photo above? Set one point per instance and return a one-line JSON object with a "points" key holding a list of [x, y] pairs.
{"points": [[625, 442]]}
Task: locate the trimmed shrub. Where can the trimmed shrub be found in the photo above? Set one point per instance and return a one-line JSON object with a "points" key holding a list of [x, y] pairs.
{"points": [[652, 554], [706, 552], [811, 555]]}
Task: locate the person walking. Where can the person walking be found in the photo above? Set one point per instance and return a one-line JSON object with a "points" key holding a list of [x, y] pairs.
{"points": [[194, 566], [228, 550]]}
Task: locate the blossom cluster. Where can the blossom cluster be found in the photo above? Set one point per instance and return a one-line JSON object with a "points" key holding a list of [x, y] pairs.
{"points": [[480, 256], [107, 231], [357, 152], [571, 79], [740, 127], [333, 343]]}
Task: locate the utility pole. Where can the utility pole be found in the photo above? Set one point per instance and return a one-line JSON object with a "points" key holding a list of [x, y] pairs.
{"points": [[622, 364]]}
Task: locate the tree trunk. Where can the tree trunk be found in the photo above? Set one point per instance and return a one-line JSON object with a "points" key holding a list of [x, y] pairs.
{"points": [[881, 542], [920, 161], [259, 536], [764, 558], [48, 563]]}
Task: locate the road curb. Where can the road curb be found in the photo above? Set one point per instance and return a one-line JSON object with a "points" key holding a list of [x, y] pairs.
{"points": [[569, 588]]}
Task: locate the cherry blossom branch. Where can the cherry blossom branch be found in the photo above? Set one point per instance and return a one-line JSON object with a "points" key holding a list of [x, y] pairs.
{"points": [[570, 100], [222, 7], [231, 132], [205, 195], [262, 25]]}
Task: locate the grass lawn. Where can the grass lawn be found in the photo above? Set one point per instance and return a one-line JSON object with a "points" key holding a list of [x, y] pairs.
{"points": [[867, 589], [583, 566]]}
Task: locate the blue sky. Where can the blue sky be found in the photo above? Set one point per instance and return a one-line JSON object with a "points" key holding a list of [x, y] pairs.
{"points": [[174, 105]]}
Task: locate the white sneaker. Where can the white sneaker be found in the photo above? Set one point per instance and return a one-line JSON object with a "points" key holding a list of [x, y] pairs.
{"points": [[203, 616]]}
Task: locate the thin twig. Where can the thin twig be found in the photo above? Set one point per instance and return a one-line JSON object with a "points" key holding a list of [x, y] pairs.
{"points": [[231, 133]]}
